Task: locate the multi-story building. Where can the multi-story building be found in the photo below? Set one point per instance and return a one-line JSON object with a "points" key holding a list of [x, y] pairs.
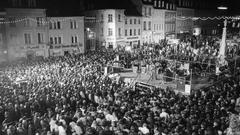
{"points": [[185, 11], [145, 7], [133, 30], [26, 33], [3, 46], [170, 19], [108, 26], [158, 21], [66, 35]]}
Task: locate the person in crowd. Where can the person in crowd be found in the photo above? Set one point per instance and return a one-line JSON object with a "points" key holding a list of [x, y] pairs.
{"points": [[70, 95]]}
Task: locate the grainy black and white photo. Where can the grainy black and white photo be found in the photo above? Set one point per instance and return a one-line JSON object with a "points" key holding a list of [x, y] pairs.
{"points": [[119, 67]]}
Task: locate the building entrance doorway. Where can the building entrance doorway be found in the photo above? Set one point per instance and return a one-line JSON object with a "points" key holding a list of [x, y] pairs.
{"points": [[30, 55], [66, 53]]}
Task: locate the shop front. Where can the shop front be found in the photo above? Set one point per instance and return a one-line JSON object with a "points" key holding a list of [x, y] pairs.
{"points": [[61, 50], [133, 42]]}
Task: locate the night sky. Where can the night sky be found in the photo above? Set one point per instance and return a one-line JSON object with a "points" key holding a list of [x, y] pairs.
{"points": [[234, 5]]}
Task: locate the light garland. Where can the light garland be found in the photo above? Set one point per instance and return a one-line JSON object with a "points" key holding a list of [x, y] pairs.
{"points": [[94, 20]]}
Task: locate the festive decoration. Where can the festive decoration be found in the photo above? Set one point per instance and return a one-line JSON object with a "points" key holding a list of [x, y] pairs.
{"points": [[94, 20]]}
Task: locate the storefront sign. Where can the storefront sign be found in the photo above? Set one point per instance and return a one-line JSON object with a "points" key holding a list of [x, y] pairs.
{"points": [[133, 38]]}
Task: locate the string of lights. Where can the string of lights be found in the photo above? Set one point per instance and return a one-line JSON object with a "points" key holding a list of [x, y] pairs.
{"points": [[94, 20]]}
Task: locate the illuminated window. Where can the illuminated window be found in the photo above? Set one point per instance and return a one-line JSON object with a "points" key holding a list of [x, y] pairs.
{"points": [[155, 3]]}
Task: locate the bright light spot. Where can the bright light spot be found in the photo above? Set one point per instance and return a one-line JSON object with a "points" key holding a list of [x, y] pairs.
{"points": [[222, 8], [5, 52]]}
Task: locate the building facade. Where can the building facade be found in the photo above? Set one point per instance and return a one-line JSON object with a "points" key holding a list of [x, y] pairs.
{"points": [[26, 33], [147, 31], [133, 31], [3, 45], [66, 35], [145, 7], [108, 27], [185, 11], [170, 23], [158, 21]]}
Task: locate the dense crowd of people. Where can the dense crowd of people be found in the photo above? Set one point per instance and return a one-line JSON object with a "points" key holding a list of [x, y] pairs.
{"points": [[70, 95]]}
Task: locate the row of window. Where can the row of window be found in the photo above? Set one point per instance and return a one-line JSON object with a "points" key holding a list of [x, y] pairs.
{"points": [[147, 11], [57, 25], [163, 4], [58, 40], [133, 21], [185, 3], [170, 27], [40, 38], [110, 18], [145, 25], [132, 32], [158, 27], [28, 38]]}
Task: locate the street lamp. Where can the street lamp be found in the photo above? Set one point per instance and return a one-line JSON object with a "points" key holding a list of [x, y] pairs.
{"points": [[222, 5], [222, 8]]}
